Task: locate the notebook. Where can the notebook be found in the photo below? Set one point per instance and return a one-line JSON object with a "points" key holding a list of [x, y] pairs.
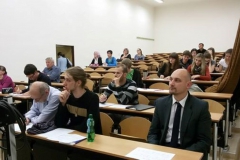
{"points": [[140, 107]]}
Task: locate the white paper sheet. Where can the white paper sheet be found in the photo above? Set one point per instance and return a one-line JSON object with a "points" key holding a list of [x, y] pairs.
{"points": [[148, 154], [55, 133], [69, 139], [105, 104], [17, 129], [119, 106]]}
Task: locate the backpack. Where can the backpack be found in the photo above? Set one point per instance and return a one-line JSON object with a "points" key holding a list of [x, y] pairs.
{"points": [[68, 63]]}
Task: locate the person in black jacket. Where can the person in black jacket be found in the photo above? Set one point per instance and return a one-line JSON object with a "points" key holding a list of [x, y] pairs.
{"points": [[126, 54], [77, 102], [133, 74], [97, 59]]}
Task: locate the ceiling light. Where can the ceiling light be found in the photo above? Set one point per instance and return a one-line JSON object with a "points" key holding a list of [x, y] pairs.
{"points": [[159, 1]]}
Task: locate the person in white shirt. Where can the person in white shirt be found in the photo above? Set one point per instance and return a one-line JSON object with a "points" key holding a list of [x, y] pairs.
{"points": [[223, 63]]}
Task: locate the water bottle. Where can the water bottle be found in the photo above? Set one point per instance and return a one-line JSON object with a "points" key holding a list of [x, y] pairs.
{"points": [[90, 128]]}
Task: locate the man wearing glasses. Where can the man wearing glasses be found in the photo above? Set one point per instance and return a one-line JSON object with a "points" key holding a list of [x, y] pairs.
{"points": [[45, 103], [33, 75]]}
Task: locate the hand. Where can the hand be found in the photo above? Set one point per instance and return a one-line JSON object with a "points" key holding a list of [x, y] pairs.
{"points": [[18, 91], [27, 121], [162, 76], [63, 97], [116, 80], [102, 98], [195, 76]]}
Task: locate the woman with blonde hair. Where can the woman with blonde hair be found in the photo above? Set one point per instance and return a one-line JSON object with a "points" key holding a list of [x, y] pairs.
{"points": [[139, 56], [97, 59]]}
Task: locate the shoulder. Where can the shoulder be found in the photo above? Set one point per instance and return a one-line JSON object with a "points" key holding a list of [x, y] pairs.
{"points": [[131, 82], [222, 60], [91, 95], [54, 91], [197, 103], [164, 99], [6, 77]]}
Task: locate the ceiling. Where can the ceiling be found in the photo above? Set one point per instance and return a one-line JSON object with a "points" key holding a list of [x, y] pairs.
{"points": [[168, 2]]}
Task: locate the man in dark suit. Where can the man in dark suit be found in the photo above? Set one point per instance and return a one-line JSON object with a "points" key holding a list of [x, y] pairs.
{"points": [[181, 120]]}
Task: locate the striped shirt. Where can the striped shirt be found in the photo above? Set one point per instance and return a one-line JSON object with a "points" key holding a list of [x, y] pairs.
{"points": [[125, 94]]}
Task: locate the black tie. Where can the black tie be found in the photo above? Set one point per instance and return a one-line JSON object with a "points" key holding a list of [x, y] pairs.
{"points": [[176, 123]]}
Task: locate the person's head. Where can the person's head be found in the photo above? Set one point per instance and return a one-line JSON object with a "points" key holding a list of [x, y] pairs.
{"points": [[199, 65], [211, 50], [200, 45], [121, 71], [186, 56], [109, 53], [125, 51], [75, 78], [128, 63], [207, 57], [139, 51], [96, 54], [30, 71], [228, 55], [179, 83], [39, 91], [2, 70], [173, 58], [49, 62], [193, 52], [60, 54]]}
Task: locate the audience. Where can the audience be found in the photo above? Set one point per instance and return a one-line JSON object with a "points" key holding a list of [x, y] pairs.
{"points": [[209, 61], [62, 62], [211, 50], [133, 74], [139, 56], [52, 71], [77, 102], [45, 103], [181, 120], [201, 49], [168, 68], [186, 59], [97, 59], [125, 54], [33, 75], [193, 53], [110, 60], [223, 63], [198, 69], [5, 80]]}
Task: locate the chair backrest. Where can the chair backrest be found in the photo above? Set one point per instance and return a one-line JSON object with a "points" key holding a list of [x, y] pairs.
{"points": [[89, 84], [143, 67], [99, 69], [112, 99], [112, 69], [135, 126], [109, 75], [107, 123], [21, 87], [142, 99], [141, 62], [88, 69], [153, 76], [107, 78], [159, 85], [237, 155], [215, 106], [94, 74]]}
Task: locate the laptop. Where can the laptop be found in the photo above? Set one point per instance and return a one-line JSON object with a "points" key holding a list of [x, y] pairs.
{"points": [[139, 107]]}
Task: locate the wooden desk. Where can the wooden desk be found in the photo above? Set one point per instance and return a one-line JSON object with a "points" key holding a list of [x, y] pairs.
{"points": [[21, 98], [20, 83], [119, 148]]}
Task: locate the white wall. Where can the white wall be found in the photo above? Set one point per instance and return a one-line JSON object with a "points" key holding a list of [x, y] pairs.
{"points": [[30, 30], [184, 26]]}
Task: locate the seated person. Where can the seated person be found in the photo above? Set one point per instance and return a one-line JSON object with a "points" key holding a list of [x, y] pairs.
{"points": [[33, 75], [211, 50], [52, 71], [133, 74], [77, 102], [201, 49], [45, 103], [198, 69], [110, 60], [166, 70], [181, 120], [193, 53], [125, 54], [125, 90], [139, 56], [186, 59], [5, 80], [97, 59], [209, 61], [223, 63]]}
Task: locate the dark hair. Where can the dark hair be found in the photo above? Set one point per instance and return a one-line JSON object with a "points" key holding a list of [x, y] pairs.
{"points": [[30, 69], [78, 73], [2, 68], [124, 68], [201, 44], [126, 49], [110, 51], [140, 50], [229, 51], [194, 49], [207, 54], [60, 54], [187, 53], [213, 51], [175, 66]]}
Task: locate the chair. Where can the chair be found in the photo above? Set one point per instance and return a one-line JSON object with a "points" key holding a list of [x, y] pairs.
{"points": [[112, 69], [112, 99], [215, 106], [90, 84], [107, 78], [142, 99], [21, 87], [135, 126], [159, 85], [153, 76], [141, 62], [107, 123], [100, 69], [143, 67], [88, 69], [94, 74]]}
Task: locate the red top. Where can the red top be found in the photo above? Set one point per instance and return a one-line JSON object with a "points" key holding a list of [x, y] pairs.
{"points": [[207, 76], [6, 82]]}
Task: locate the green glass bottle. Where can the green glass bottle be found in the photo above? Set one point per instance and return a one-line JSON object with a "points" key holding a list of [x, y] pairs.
{"points": [[90, 128]]}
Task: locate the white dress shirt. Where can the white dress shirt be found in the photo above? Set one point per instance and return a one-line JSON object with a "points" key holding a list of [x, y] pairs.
{"points": [[172, 115]]}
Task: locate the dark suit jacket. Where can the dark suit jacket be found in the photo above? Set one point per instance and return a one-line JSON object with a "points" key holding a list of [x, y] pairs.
{"points": [[99, 61], [195, 132]]}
